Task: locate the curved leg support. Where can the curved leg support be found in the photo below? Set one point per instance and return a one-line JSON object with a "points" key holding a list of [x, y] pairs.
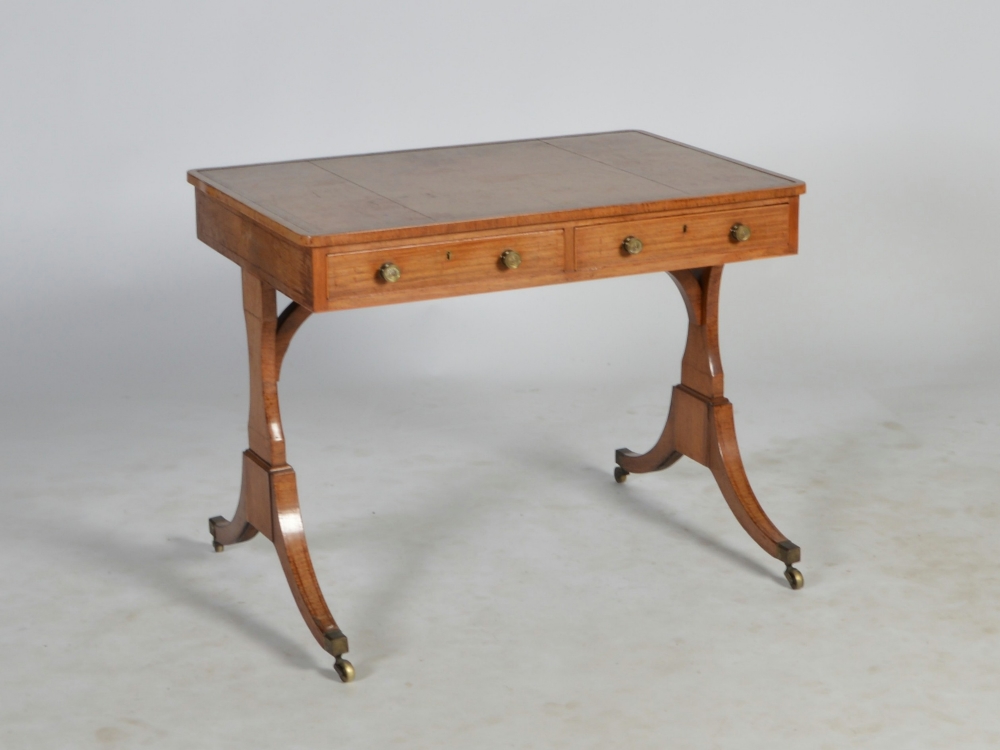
{"points": [[661, 456], [700, 423], [269, 500], [289, 539], [239, 529], [727, 467]]}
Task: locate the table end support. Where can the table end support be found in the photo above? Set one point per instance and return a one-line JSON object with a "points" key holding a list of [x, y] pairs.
{"points": [[269, 498], [700, 422]]}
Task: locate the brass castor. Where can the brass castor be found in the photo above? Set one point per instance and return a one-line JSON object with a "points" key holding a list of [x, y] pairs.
{"points": [[620, 475], [794, 578], [211, 530], [344, 669]]}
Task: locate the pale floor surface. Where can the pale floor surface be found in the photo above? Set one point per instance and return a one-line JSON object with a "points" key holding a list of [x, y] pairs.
{"points": [[498, 588]]}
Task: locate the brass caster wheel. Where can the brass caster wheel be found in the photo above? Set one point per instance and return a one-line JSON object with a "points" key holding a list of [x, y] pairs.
{"points": [[345, 670], [620, 475], [212, 522], [794, 578]]}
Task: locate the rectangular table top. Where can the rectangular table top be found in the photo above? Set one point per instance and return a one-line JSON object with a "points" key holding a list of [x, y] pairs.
{"points": [[375, 229], [316, 202]]}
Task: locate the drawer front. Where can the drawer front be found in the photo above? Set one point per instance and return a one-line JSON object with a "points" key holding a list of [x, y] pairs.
{"points": [[474, 265], [684, 241]]}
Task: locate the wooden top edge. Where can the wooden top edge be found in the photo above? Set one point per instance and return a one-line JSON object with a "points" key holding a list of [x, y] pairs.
{"points": [[304, 239]]}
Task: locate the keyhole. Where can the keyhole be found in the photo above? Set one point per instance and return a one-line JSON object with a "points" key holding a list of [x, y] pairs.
{"points": [[685, 229], [447, 255]]}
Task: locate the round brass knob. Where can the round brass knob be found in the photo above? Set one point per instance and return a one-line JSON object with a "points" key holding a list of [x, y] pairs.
{"points": [[740, 232], [510, 258], [632, 245], [390, 272]]}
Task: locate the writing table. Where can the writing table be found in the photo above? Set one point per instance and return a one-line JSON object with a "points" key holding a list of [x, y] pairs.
{"points": [[377, 229]]}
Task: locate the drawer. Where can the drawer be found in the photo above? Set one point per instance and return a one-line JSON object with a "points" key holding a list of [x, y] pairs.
{"points": [[474, 265], [672, 242]]}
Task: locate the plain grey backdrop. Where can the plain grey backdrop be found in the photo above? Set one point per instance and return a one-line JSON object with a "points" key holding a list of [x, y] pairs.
{"points": [[122, 343]]}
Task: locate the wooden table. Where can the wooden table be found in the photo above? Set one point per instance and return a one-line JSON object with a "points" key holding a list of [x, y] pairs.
{"points": [[355, 231]]}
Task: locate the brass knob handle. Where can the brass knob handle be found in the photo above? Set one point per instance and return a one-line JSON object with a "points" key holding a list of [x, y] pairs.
{"points": [[740, 232], [390, 272], [510, 258], [632, 245]]}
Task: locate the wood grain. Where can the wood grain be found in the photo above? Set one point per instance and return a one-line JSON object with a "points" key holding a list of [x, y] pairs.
{"points": [[287, 223], [683, 236], [269, 501], [700, 421], [319, 231], [267, 438], [440, 269], [405, 195], [283, 265], [289, 322]]}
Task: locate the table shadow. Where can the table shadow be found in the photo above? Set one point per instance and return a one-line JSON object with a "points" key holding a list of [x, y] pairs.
{"points": [[635, 503], [163, 570]]}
